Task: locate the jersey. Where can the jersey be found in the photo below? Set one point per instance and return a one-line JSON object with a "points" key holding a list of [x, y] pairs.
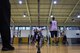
{"points": [[53, 25]]}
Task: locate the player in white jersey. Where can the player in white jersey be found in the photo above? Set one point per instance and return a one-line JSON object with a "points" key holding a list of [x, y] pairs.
{"points": [[53, 29]]}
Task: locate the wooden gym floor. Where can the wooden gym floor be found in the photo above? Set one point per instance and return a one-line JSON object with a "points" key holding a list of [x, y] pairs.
{"points": [[45, 49]]}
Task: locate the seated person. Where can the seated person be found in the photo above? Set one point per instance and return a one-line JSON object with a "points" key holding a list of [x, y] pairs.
{"points": [[64, 40]]}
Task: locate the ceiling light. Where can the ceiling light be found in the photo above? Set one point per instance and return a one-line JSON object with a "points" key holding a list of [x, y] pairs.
{"points": [[78, 16], [20, 2], [51, 16], [55, 2], [24, 15]]}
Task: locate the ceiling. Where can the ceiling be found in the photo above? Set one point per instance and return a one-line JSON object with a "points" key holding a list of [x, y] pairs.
{"points": [[38, 13]]}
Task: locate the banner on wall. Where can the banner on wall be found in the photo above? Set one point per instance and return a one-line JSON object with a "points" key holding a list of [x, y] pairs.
{"points": [[73, 33]]}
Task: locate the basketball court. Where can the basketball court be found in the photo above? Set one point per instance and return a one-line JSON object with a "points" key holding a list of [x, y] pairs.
{"points": [[27, 15]]}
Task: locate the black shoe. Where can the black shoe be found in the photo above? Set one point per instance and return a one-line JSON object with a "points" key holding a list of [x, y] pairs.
{"points": [[7, 48]]}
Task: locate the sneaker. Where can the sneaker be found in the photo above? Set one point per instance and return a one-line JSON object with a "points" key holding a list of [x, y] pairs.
{"points": [[7, 48]]}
